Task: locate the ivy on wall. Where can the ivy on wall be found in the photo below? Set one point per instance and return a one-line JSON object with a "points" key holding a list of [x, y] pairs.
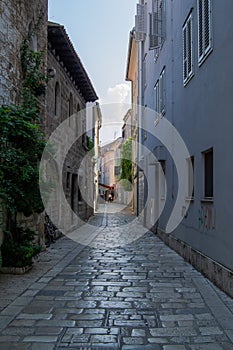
{"points": [[21, 147], [126, 164]]}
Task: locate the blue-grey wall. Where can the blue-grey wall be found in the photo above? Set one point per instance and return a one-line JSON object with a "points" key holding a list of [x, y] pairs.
{"points": [[202, 113]]}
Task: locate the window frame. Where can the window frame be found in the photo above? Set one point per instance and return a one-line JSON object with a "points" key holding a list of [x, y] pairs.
{"points": [[191, 188], [208, 196], [162, 89], [157, 25], [201, 36], [57, 102], [188, 49], [156, 96]]}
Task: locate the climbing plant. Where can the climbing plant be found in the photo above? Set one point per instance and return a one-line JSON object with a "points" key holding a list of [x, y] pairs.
{"points": [[34, 80], [126, 164], [21, 147]]}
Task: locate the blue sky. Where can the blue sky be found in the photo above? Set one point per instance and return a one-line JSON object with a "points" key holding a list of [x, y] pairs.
{"points": [[99, 31]]}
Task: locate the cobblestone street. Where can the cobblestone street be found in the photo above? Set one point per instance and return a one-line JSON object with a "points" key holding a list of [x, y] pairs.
{"points": [[113, 294]]}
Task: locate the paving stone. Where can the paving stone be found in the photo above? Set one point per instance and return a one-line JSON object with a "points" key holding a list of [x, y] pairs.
{"points": [[175, 331], [210, 346], [82, 304], [84, 338], [15, 346], [133, 340], [34, 316], [138, 333], [158, 340], [109, 330], [100, 338], [41, 346], [115, 304], [141, 295], [177, 318], [40, 339], [48, 330], [141, 347], [8, 338], [210, 330], [56, 323], [22, 323], [93, 323], [174, 347]]}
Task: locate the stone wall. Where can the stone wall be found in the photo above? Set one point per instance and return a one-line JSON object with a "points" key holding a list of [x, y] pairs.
{"points": [[17, 19], [58, 110]]}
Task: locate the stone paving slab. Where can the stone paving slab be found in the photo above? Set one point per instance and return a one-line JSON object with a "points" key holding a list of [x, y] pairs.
{"points": [[113, 294]]}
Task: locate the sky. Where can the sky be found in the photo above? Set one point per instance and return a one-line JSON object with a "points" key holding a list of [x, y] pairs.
{"points": [[99, 31]]}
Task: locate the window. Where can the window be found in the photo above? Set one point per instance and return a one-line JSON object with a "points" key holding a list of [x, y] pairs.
{"points": [[80, 198], [156, 24], [204, 29], [70, 105], [78, 120], [57, 100], [187, 50], [144, 77], [208, 173], [190, 163], [162, 179], [68, 180], [157, 97], [32, 37], [140, 23], [162, 92]]}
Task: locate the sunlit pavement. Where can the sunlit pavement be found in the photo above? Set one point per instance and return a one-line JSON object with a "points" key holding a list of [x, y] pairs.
{"points": [[115, 293]]}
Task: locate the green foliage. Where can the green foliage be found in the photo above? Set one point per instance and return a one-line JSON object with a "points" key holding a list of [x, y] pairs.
{"points": [[18, 250], [126, 164], [90, 145], [21, 147], [34, 83]]}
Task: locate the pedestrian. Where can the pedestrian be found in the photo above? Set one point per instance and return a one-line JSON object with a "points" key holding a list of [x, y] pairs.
{"points": [[109, 197]]}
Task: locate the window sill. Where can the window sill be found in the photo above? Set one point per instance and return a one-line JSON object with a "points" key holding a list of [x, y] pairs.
{"points": [[205, 56], [187, 80], [189, 199], [207, 199]]}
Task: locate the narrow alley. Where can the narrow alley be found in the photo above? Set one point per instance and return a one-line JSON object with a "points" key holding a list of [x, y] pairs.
{"points": [[113, 294]]}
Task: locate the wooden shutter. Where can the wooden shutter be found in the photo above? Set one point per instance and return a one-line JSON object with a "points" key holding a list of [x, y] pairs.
{"points": [[154, 38], [204, 28], [206, 24], [140, 23], [189, 45], [200, 28], [185, 69], [187, 49]]}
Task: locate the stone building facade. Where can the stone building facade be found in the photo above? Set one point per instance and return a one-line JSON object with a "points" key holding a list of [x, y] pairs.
{"points": [[18, 20], [68, 92], [132, 76]]}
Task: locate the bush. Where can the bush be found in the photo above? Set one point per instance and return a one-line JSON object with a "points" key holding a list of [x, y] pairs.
{"points": [[18, 251]]}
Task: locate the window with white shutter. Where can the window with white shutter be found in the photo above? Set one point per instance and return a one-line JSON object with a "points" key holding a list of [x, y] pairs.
{"points": [[188, 50], [156, 24], [140, 23], [156, 95], [204, 29], [156, 102], [162, 92]]}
